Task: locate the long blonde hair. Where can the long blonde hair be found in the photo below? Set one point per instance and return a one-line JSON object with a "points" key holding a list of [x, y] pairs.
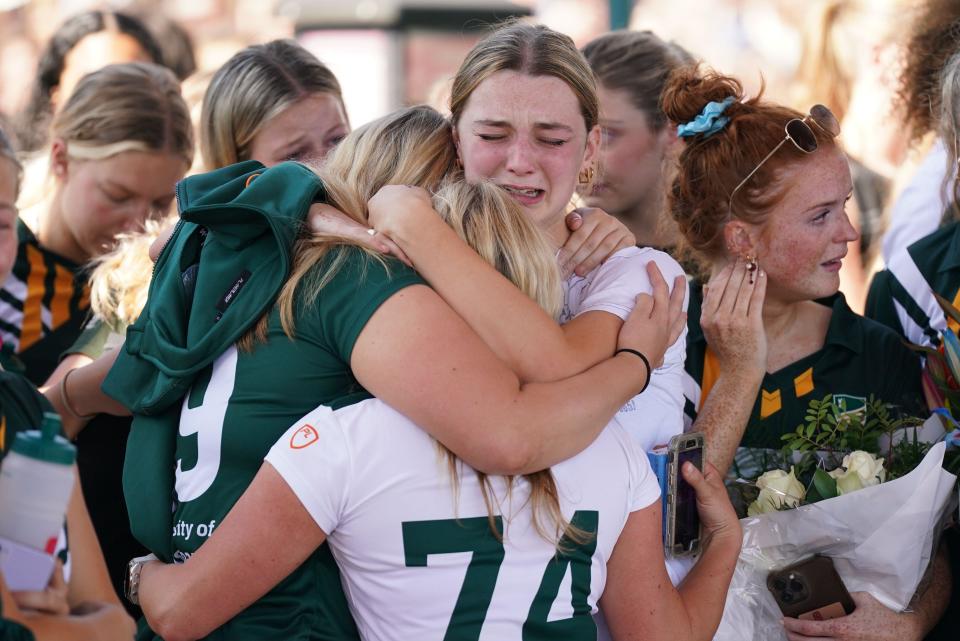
{"points": [[414, 146]]}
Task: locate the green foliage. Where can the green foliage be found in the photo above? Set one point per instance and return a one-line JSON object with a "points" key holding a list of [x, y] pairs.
{"points": [[829, 434]]}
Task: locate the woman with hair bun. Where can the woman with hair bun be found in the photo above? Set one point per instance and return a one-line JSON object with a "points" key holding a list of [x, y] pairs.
{"points": [[760, 195]]}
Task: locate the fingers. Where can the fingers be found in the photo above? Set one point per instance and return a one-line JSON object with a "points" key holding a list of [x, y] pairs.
{"points": [[802, 630], [387, 246], [713, 293], [610, 244], [758, 295], [745, 295], [738, 279], [596, 235]]}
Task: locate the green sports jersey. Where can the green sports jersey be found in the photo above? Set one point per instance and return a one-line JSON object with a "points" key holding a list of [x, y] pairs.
{"points": [[240, 406], [859, 358], [902, 296], [43, 306]]}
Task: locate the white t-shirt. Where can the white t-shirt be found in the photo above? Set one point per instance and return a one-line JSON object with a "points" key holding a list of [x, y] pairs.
{"points": [[417, 556], [919, 207], [654, 416]]}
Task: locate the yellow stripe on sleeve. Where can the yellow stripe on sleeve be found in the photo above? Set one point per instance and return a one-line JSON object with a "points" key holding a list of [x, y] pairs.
{"points": [[62, 293], [32, 328]]}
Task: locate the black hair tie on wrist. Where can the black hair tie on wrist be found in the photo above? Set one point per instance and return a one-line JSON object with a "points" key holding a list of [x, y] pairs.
{"points": [[645, 362]]}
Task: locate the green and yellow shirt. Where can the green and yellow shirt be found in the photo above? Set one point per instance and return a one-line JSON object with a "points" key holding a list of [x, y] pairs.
{"points": [[902, 296], [859, 358], [43, 306]]}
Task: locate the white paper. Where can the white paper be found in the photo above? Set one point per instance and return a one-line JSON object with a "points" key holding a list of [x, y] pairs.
{"points": [[881, 540], [23, 567]]}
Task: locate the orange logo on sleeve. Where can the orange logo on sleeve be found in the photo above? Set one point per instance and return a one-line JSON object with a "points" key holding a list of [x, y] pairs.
{"points": [[306, 435]]}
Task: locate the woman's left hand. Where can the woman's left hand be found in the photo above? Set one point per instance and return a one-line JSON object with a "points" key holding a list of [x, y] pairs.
{"points": [[871, 621], [52, 600], [596, 235]]}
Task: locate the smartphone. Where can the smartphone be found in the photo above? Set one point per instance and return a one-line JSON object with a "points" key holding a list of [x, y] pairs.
{"points": [[810, 590], [683, 520]]}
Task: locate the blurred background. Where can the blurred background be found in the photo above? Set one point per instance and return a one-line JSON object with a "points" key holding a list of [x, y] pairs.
{"points": [[388, 53]]}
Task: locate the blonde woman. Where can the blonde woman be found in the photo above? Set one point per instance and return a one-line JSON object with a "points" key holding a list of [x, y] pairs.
{"points": [[118, 147], [528, 530], [361, 325], [271, 102]]}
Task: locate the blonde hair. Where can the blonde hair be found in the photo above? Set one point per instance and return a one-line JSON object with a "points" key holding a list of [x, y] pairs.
{"points": [[252, 87], [120, 279], [535, 50], [414, 146], [834, 38], [133, 106], [495, 226]]}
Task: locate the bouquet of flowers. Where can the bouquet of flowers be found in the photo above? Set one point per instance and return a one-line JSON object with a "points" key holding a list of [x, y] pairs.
{"points": [[866, 488]]}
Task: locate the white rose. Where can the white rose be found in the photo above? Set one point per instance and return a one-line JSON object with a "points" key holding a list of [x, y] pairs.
{"points": [[847, 481], [869, 469], [779, 490]]}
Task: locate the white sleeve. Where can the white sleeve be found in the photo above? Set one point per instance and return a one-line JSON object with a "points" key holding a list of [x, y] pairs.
{"points": [[313, 457], [622, 277]]}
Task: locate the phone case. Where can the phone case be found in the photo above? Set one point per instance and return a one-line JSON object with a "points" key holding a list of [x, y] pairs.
{"points": [[811, 589], [679, 443]]}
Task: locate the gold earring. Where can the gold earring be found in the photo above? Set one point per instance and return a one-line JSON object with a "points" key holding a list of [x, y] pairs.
{"points": [[586, 176]]}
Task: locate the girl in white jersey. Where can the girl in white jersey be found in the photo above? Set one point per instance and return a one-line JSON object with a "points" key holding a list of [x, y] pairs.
{"points": [[427, 556], [525, 114]]}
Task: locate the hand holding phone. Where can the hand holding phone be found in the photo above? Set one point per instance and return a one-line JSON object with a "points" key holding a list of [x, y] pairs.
{"points": [[683, 518], [810, 590]]}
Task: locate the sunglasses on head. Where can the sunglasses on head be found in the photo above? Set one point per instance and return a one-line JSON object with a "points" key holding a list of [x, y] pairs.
{"points": [[801, 135]]}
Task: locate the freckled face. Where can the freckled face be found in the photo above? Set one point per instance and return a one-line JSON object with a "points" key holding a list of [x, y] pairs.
{"points": [[306, 130], [526, 134], [804, 239]]}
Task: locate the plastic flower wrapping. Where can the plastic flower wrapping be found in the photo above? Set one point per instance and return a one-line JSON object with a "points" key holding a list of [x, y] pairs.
{"points": [[869, 488]]}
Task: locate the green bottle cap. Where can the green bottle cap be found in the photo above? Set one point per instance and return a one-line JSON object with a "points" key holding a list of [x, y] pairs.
{"points": [[46, 444]]}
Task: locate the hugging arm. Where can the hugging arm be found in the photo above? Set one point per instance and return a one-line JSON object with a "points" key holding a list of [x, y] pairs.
{"points": [[514, 326], [418, 355], [188, 601]]}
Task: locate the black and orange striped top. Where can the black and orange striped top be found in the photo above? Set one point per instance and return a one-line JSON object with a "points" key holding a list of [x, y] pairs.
{"points": [[44, 304]]}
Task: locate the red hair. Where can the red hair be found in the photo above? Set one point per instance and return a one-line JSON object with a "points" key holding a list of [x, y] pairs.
{"points": [[711, 167]]}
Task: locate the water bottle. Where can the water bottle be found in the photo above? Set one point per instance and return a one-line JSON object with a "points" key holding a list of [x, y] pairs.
{"points": [[36, 478]]}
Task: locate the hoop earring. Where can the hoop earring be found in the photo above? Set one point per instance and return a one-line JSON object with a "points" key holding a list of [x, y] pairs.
{"points": [[752, 267], [585, 177]]}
